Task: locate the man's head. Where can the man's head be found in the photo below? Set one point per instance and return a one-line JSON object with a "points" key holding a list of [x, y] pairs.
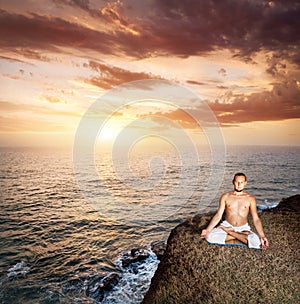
{"points": [[239, 182]]}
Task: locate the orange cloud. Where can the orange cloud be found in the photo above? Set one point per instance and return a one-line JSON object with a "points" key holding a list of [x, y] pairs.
{"points": [[195, 82], [110, 76], [51, 99], [282, 102], [179, 116], [11, 77]]}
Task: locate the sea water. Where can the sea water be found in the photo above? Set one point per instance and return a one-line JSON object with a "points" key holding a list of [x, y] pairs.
{"points": [[54, 244]]}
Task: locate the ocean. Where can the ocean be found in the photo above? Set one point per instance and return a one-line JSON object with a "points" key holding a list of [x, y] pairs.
{"points": [[57, 245]]}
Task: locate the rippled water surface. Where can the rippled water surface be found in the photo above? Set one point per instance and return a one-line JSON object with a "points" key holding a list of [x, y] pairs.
{"points": [[55, 245]]}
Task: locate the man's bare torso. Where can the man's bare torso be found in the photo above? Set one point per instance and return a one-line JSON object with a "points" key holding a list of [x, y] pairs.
{"points": [[237, 208]]}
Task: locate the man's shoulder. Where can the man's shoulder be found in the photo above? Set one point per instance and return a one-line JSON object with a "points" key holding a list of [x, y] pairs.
{"points": [[250, 196], [225, 194]]}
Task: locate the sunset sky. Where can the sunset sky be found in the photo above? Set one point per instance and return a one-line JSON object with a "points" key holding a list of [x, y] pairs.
{"points": [[59, 56]]}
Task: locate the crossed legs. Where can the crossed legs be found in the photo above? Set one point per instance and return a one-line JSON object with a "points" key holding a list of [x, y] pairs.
{"points": [[221, 234], [232, 235]]}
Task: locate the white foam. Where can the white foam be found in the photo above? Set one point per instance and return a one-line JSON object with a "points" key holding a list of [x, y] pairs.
{"points": [[20, 269], [267, 205], [134, 283]]}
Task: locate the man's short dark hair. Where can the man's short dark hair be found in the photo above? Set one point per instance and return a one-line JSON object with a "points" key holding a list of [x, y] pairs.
{"points": [[239, 174]]}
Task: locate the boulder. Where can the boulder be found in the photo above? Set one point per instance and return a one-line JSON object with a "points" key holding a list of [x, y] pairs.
{"points": [[134, 255], [99, 286]]}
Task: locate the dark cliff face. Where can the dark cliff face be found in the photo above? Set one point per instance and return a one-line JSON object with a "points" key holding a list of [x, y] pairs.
{"points": [[192, 271]]}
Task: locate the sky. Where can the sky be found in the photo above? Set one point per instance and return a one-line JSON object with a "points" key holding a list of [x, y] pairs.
{"points": [[58, 57]]}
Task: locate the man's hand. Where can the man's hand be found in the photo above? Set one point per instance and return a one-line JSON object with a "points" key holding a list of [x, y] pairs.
{"points": [[204, 234], [264, 242]]}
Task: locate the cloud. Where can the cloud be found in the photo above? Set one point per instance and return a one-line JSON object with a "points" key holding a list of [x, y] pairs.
{"points": [[12, 77], [222, 87], [110, 76], [164, 27], [51, 99], [195, 82], [186, 119], [12, 59], [83, 4], [39, 32], [222, 72], [280, 103], [171, 28], [32, 54], [245, 27]]}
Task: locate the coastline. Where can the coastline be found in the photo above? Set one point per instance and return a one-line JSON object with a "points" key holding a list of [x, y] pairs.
{"points": [[192, 271]]}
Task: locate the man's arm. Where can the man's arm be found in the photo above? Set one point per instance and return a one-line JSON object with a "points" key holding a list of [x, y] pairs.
{"points": [[257, 224], [216, 218]]}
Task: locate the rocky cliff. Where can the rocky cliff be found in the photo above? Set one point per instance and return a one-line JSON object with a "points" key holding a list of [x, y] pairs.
{"points": [[192, 271]]}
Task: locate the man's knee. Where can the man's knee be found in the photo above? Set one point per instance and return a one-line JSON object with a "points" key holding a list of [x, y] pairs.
{"points": [[254, 241], [217, 236]]}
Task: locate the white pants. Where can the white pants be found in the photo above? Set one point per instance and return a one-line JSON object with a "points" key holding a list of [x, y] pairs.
{"points": [[218, 235]]}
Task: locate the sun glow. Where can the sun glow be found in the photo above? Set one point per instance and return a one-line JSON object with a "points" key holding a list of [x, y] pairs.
{"points": [[107, 133]]}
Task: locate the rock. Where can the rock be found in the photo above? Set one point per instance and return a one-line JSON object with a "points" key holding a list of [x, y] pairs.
{"points": [[110, 281], [134, 255], [192, 271], [99, 286], [290, 204], [159, 248]]}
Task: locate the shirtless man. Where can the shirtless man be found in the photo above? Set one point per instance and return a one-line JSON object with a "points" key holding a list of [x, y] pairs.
{"points": [[236, 205]]}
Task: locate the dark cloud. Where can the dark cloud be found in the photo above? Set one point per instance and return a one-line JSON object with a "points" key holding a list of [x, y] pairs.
{"points": [[32, 54], [78, 4], [37, 32], [222, 72], [196, 82], [110, 76], [221, 87], [181, 28], [83, 4], [245, 27]]}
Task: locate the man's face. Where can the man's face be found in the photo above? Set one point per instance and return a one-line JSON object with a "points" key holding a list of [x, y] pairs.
{"points": [[239, 183]]}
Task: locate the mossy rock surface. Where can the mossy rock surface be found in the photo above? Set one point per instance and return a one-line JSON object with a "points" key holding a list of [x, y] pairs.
{"points": [[192, 271]]}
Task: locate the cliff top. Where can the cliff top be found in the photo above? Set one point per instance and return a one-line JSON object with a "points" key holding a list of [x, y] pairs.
{"points": [[192, 271]]}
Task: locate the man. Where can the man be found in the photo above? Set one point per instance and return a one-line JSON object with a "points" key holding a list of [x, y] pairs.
{"points": [[236, 204]]}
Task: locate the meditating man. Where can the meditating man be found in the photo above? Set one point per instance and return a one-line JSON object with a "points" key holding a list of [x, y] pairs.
{"points": [[236, 205]]}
